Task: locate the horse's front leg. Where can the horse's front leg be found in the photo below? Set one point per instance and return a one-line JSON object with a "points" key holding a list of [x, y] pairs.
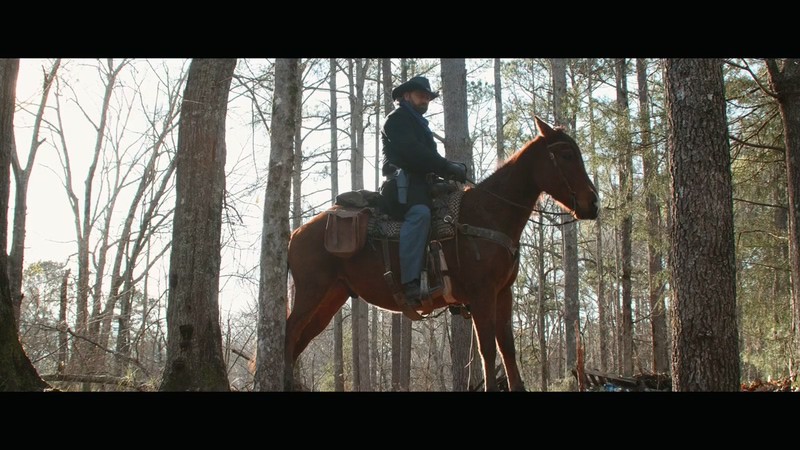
{"points": [[505, 339], [483, 318]]}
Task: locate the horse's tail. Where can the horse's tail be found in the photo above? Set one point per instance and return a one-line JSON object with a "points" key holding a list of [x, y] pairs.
{"points": [[290, 289], [251, 365]]}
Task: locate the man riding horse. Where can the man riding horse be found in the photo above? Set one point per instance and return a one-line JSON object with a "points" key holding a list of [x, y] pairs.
{"points": [[409, 156]]}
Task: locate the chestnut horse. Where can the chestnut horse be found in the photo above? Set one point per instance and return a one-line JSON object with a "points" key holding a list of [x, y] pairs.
{"points": [[482, 271]]}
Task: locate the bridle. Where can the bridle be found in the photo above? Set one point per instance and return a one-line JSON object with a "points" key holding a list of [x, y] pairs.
{"points": [[563, 177]]}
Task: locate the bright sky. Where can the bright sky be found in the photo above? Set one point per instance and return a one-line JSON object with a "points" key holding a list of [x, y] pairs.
{"points": [[51, 224]]}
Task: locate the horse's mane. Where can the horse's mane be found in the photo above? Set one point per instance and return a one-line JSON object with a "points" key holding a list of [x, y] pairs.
{"points": [[501, 172]]}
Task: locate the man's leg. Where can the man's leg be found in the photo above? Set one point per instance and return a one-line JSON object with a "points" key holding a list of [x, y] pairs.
{"points": [[413, 237]]}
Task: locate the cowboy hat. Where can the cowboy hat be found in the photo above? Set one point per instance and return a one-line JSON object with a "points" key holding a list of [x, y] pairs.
{"points": [[416, 83]]}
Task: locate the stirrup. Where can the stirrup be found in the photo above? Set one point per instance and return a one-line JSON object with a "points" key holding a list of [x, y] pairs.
{"points": [[460, 310]]}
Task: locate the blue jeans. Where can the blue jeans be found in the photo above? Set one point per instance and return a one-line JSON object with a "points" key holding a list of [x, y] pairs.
{"points": [[413, 238]]}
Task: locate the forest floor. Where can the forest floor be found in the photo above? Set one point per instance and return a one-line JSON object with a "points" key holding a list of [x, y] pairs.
{"points": [[784, 384], [596, 381]]}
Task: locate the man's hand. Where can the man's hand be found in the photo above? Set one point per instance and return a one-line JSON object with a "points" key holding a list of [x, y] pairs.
{"points": [[457, 171]]}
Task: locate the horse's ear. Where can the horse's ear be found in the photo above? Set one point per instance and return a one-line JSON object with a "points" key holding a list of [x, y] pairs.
{"points": [[544, 129]]}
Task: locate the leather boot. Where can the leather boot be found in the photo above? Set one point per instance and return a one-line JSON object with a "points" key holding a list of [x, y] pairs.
{"points": [[412, 293]]}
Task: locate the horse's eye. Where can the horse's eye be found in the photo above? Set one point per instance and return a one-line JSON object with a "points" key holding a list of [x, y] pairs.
{"points": [[566, 154]]}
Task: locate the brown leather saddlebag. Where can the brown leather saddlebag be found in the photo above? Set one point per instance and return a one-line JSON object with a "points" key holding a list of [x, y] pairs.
{"points": [[346, 231]]}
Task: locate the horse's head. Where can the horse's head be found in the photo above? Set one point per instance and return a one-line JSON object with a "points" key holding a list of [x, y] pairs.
{"points": [[565, 177]]}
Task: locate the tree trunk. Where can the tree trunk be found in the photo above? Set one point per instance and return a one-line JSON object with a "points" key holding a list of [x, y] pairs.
{"points": [[356, 182], [602, 299], [498, 112], [705, 354], [124, 331], [194, 340], [373, 350], [655, 264], [376, 356], [365, 364], [458, 148], [569, 231], [397, 345], [406, 327], [617, 308], [388, 107], [541, 302], [297, 191], [388, 104], [360, 322], [22, 176], [784, 78], [443, 334], [457, 145], [559, 325], [401, 325], [272, 293], [406, 339], [338, 354], [405, 323], [144, 327], [16, 371], [781, 281], [63, 342], [533, 86], [626, 224], [297, 172]]}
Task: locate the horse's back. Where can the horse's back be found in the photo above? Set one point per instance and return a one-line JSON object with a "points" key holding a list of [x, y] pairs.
{"points": [[306, 245]]}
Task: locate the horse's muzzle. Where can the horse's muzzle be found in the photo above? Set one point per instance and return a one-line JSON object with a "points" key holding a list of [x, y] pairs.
{"points": [[589, 209]]}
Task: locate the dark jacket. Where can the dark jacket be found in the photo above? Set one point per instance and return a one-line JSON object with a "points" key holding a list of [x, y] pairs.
{"points": [[408, 145]]}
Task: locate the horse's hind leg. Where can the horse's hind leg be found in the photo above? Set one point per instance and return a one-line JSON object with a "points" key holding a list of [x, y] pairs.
{"points": [[320, 319], [505, 340], [314, 306]]}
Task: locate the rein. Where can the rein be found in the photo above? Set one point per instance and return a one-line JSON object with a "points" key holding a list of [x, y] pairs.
{"points": [[563, 177]]}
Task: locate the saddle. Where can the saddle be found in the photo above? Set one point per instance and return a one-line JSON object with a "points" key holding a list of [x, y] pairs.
{"points": [[345, 219], [362, 215]]}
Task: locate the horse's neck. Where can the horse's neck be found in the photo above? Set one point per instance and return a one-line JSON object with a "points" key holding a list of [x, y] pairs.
{"points": [[511, 192]]}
